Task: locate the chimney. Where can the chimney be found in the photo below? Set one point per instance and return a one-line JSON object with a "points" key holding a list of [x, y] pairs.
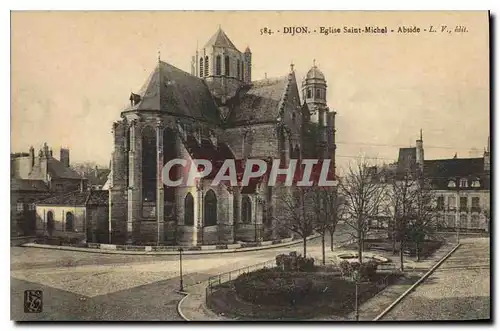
{"points": [[420, 152], [45, 150], [64, 157]]}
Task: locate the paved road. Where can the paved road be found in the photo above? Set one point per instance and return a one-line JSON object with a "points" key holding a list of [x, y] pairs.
{"points": [[91, 286], [458, 290]]}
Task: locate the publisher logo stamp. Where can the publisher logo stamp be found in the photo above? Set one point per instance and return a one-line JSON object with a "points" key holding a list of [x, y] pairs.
{"points": [[33, 301]]}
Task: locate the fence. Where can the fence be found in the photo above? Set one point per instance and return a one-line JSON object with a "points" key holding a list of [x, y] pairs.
{"points": [[233, 274]]}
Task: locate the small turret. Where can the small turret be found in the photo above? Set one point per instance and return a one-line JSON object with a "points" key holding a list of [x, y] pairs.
{"points": [[314, 93]]}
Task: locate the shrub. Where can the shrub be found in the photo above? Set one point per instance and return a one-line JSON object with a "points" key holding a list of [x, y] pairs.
{"points": [[305, 264], [269, 287], [367, 270], [294, 262]]}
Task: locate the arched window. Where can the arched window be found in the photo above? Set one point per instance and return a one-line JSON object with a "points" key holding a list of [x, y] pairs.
{"points": [[201, 66], [226, 65], [218, 65], [246, 210], [206, 66], [238, 69], [69, 226], [318, 93], [293, 117], [242, 71], [189, 210], [309, 93], [50, 222], [149, 166], [210, 207]]}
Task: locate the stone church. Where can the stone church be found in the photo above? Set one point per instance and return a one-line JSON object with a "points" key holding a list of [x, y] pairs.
{"points": [[216, 112]]}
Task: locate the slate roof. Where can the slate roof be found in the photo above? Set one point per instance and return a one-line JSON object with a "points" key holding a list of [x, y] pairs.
{"points": [[315, 73], [33, 185], [259, 102], [77, 198], [442, 171], [220, 39], [98, 177], [56, 170], [407, 159], [172, 90], [98, 198]]}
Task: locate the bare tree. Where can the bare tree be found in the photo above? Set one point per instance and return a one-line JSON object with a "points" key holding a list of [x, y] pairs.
{"points": [[401, 195], [424, 217], [325, 213], [363, 200], [294, 214]]}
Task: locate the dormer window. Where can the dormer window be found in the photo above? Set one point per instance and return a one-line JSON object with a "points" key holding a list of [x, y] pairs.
{"points": [[476, 183], [452, 183], [463, 182]]}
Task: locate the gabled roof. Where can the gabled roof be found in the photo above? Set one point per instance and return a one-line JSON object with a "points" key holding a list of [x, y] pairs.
{"points": [[98, 198], [259, 102], [98, 176], [77, 198], [172, 90], [220, 39], [407, 159], [17, 184], [55, 168]]}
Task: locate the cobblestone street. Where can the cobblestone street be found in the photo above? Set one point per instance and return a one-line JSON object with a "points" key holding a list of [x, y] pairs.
{"points": [[88, 286], [458, 290]]}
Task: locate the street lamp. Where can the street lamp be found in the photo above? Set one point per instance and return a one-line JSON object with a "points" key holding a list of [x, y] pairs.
{"points": [[180, 268], [356, 277]]}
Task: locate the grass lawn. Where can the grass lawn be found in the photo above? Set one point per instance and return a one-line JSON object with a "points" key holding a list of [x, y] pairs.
{"points": [[336, 297]]}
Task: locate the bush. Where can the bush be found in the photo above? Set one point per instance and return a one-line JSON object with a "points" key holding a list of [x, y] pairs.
{"points": [[367, 270], [269, 287], [294, 262]]}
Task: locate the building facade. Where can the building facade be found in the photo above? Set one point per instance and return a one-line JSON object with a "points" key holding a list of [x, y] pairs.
{"points": [[216, 112], [74, 216], [461, 187], [34, 177]]}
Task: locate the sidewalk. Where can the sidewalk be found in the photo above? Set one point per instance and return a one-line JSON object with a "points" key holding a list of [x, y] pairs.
{"points": [[186, 252], [193, 308], [413, 271]]}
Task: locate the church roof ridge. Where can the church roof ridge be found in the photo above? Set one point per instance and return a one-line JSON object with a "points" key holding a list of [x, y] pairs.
{"points": [[220, 39]]}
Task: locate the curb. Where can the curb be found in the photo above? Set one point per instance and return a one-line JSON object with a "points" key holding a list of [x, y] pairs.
{"points": [[221, 251], [179, 310], [424, 277]]}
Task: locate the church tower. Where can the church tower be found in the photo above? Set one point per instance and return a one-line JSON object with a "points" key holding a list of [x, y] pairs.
{"points": [[314, 94], [223, 67]]}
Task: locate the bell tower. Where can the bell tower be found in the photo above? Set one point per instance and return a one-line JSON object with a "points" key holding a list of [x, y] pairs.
{"points": [[314, 94]]}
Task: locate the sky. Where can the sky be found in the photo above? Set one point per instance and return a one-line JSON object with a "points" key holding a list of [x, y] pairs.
{"points": [[72, 74]]}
